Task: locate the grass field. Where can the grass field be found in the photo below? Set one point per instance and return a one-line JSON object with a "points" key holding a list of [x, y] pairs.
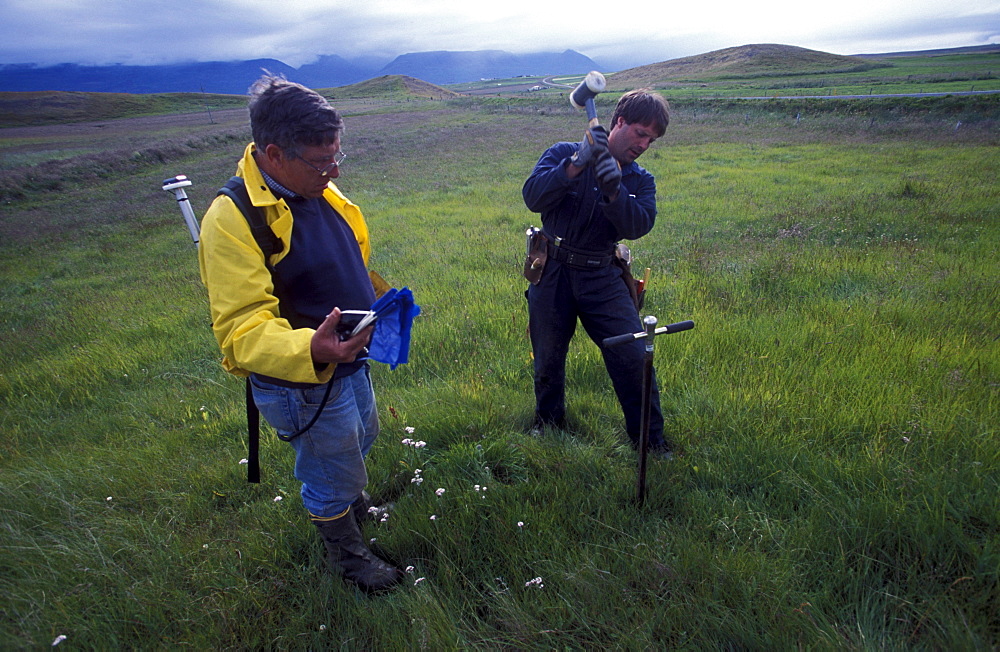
{"points": [[835, 408]]}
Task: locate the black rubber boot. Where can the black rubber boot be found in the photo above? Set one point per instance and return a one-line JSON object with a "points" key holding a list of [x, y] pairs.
{"points": [[348, 556]]}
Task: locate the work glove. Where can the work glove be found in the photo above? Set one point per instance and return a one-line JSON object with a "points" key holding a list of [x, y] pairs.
{"points": [[609, 175], [593, 145]]}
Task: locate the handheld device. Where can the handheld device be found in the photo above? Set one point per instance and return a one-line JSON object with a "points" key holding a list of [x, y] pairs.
{"points": [[353, 322]]}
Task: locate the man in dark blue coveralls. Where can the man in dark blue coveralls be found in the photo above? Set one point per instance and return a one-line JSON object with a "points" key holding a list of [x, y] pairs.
{"points": [[590, 195]]}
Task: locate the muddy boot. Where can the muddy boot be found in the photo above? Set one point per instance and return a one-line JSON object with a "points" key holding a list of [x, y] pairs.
{"points": [[348, 556]]}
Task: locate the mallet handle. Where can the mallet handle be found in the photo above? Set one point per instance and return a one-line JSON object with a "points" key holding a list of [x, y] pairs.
{"points": [[592, 112]]}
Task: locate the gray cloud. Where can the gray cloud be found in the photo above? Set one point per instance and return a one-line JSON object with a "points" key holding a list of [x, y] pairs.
{"points": [[298, 31]]}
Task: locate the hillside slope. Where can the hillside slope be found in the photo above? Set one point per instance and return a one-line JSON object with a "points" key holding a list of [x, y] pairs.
{"points": [[757, 60], [58, 107], [390, 86]]}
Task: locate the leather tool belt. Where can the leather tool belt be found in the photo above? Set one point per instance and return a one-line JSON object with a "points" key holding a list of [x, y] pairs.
{"points": [[577, 258]]}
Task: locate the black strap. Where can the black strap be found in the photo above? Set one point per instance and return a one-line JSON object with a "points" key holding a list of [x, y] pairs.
{"points": [[269, 244], [579, 259], [265, 238], [253, 444]]}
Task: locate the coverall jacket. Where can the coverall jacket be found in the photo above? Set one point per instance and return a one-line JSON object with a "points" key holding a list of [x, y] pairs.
{"points": [[588, 286]]}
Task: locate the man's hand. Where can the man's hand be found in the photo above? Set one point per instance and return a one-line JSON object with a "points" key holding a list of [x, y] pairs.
{"points": [[327, 347], [593, 146], [609, 176]]}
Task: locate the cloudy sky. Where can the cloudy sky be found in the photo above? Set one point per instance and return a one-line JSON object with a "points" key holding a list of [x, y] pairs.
{"points": [[141, 32]]}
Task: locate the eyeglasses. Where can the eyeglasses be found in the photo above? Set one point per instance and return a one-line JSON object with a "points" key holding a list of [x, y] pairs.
{"points": [[338, 158]]}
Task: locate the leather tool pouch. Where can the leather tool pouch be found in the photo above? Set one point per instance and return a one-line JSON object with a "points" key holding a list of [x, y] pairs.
{"points": [[623, 260], [537, 254]]}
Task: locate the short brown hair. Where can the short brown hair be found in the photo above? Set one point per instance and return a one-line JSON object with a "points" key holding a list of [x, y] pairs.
{"points": [[643, 106]]}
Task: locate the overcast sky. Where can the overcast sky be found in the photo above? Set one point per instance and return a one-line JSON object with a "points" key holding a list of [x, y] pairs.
{"points": [[626, 33]]}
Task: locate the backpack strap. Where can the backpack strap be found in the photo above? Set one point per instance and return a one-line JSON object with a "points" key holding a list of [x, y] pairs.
{"points": [[269, 244], [253, 438], [265, 238]]}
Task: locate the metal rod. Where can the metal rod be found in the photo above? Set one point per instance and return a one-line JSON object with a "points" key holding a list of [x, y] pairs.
{"points": [[647, 392], [176, 185]]}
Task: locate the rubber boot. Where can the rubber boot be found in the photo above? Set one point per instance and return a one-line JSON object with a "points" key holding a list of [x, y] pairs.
{"points": [[349, 557]]}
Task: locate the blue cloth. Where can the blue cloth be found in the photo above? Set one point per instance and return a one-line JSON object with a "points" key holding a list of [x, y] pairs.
{"points": [[391, 340]]}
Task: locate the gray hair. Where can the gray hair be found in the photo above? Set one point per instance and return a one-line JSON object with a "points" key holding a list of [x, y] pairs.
{"points": [[290, 115]]}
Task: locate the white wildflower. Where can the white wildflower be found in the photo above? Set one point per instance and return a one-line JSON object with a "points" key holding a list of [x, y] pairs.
{"points": [[439, 491], [409, 430], [59, 639], [277, 499]]}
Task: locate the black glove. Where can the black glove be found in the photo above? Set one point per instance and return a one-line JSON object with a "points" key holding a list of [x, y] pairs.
{"points": [[609, 175], [593, 145]]}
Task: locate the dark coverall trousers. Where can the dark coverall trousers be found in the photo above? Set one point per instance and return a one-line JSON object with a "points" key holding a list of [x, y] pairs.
{"points": [[601, 301]]}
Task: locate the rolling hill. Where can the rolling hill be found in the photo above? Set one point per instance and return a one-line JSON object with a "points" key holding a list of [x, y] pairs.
{"points": [[390, 86], [756, 60]]}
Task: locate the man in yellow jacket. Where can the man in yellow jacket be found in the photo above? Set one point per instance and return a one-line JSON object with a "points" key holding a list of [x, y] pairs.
{"points": [[276, 320]]}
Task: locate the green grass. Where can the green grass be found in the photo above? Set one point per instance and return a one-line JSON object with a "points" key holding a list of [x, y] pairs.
{"points": [[835, 406], [52, 107], [895, 75]]}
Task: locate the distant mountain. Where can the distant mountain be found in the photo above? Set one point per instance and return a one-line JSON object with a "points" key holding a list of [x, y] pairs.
{"points": [[228, 77], [332, 70], [234, 77], [445, 67]]}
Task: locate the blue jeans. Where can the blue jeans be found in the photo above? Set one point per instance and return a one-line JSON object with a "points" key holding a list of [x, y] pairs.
{"points": [[330, 456]]}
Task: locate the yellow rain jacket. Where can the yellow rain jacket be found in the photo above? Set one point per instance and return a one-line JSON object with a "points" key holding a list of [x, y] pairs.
{"points": [[246, 316]]}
